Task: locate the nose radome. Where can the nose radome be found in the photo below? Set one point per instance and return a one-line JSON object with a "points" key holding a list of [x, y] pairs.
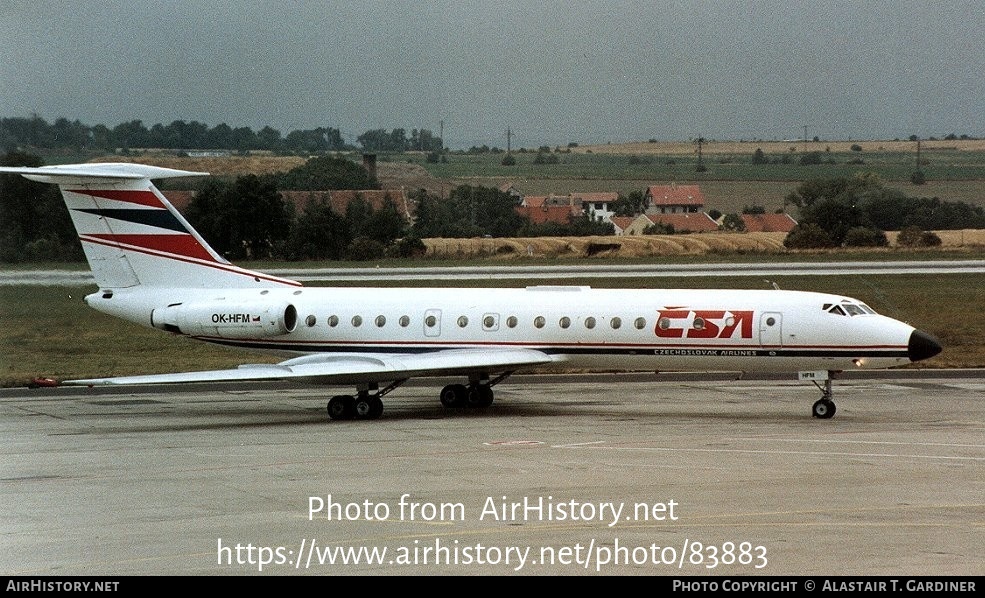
{"points": [[922, 346]]}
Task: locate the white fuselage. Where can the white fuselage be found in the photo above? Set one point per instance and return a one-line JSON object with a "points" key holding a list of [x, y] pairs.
{"points": [[579, 327]]}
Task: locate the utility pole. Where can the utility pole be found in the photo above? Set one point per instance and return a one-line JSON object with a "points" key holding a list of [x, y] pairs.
{"points": [[509, 135], [441, 133]]}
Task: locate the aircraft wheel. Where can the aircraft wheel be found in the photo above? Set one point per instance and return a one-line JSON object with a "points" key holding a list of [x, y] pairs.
{"points": [[480, 395], [342, 407], [454, 395], [824, 409], [369, 407]]}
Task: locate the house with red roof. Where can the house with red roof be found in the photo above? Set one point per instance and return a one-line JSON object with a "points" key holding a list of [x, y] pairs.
{"points": [[768, 223], [673, 199]]}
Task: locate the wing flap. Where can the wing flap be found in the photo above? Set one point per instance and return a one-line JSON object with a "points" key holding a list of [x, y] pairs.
{"points": [[346, 368]]}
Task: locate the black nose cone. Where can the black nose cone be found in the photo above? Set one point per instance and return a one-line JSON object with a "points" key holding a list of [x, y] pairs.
{"points": [[922, 346]]}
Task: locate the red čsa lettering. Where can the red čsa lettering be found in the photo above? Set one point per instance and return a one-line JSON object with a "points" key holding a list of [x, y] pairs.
{"points": [[703, 323]]}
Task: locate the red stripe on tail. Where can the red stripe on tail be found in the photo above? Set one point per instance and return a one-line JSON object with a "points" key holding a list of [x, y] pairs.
{"points": [[143, 198], [183, 245]]}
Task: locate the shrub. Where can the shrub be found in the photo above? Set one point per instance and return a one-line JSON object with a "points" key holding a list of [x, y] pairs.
{"points": [[864, 236], [807, 236], [909, 236]]}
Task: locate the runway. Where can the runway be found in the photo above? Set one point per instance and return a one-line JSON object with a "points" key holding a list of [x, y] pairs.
{"points": [[580, 475]]}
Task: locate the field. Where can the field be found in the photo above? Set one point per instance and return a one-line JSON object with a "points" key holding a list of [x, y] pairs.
{"points": [[964, 244], [955, 170]]}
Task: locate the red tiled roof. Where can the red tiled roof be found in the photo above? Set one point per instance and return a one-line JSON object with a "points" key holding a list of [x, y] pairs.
{"points": [[622, 222], [542, 214], [596, 197], [768, 223], [675, 195], [699, 222]]}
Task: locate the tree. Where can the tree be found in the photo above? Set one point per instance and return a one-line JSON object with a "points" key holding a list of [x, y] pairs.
{"points": [[467, 212], [319, 233], [629, 205], [325, 173], [733, 222], [758, 157], [245, 219], [36, 225]]}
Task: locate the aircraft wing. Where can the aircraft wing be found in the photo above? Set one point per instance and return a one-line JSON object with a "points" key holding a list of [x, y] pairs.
{"points": [[350, 368]]}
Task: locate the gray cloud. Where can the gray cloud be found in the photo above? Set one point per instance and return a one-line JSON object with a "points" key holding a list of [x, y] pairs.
{"points": [[585, 71]]}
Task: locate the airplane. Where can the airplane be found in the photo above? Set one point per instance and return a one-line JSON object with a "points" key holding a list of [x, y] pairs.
{"points": [[155, 270]]}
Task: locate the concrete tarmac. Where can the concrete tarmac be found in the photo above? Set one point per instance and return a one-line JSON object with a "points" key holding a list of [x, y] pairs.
{"points": [[578, 475]]}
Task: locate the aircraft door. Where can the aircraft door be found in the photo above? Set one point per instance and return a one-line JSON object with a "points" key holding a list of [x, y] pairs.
{"points": [[432, 322], [771, 329]]}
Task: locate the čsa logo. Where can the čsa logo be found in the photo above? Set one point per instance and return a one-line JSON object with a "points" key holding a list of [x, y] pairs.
{"points": [[704, 323]]}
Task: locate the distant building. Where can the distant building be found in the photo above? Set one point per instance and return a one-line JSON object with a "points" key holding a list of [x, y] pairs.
{"points": [[546, 213], [597, 205], [623, 223], [768, 223], [673, 199], [682, 223], [557, 207]]}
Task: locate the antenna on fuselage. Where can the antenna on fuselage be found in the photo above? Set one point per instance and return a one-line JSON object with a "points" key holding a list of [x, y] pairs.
{"points": [[775, 286]]}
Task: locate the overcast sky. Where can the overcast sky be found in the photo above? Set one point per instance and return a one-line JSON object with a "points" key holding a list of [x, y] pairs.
{"points": [[553, 72]]}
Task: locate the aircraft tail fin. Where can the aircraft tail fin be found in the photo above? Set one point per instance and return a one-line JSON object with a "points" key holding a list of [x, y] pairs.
{"points": [[132, 235]]}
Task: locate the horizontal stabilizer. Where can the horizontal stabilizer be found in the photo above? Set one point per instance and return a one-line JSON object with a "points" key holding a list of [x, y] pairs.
{"points": [[110, 170]]}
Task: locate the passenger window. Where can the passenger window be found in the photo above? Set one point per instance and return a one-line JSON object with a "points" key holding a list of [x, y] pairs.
{"points": [[404, 321], [564, 322], [463, 321], [333, 321], [511, 322], [640, 323], [589, 322], [616, 323], [699, 324], [380, 321], [539, 321], [430, 321], [357, 321]]}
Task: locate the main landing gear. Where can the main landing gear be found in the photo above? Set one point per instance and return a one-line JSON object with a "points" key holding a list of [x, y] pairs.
{"points": [[478, 393], [368, 402]]}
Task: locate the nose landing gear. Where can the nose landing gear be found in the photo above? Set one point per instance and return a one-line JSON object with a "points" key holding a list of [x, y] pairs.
{"points": [[823, 408]]}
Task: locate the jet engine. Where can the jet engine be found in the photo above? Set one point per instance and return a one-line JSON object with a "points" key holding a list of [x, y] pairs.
{"points": [[227, 320]]}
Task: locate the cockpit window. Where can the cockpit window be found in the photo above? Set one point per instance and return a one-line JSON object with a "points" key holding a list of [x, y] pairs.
{"points": [[853, 310], [847, 308]]}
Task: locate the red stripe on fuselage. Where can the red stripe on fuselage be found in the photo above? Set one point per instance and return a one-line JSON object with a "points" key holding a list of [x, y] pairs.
{"points": [[184, 245], [143, 198]]}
